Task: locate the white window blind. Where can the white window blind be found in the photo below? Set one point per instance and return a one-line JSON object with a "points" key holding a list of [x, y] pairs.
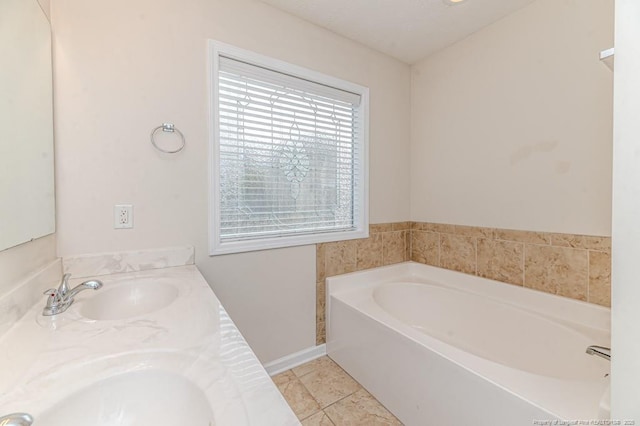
{"points": [[289, 157], [289, 154]]}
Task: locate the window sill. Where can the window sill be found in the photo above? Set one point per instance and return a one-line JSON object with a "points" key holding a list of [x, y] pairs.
{"points": [[231, 247]]}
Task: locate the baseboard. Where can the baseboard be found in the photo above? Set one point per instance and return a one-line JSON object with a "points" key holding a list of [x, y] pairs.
{"points": [[288, 362]]}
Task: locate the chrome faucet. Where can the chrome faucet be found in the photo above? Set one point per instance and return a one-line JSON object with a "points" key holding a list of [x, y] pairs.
{"points": [[58, 300], [16, 419], [600, 351]]}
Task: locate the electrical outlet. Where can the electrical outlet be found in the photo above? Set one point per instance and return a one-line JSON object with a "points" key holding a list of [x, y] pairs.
{"points": [[123, 216]]}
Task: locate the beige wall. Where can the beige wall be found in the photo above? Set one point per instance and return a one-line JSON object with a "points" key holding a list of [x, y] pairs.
{"points": [[625, 296], [511, 127], [18, 262], [124, 67]]}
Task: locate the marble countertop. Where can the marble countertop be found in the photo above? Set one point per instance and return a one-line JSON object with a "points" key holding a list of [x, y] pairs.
{"points": [[46, 359]]}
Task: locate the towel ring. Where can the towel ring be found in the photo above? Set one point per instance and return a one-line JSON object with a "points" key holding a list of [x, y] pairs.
{"points": [[169, 128]]}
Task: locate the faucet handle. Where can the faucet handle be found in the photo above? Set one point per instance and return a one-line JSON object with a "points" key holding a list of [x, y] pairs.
{"points": [[52, 299], [63, 289]]}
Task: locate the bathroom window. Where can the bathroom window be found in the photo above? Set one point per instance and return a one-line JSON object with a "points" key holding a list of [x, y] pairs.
{"points": [[289, 154]]}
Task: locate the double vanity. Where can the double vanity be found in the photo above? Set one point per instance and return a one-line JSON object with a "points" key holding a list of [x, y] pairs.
{"points": [[153, 345]]}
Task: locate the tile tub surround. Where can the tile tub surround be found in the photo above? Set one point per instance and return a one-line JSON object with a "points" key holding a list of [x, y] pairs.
{"points": [[575, 266], [388, 243], [323, 394], [53, 357]]}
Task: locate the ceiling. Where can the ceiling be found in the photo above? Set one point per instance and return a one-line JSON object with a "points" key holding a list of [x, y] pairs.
{"points": [[408, 30]]}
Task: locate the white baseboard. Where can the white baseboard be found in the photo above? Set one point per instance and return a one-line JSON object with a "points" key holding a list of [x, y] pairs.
{"points": [[288, 362]]}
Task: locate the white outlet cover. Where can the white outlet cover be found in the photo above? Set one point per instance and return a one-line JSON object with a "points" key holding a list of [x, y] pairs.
{"points": [[123, 216]]}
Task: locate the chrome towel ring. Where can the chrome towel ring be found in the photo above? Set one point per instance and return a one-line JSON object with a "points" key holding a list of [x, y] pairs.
{"points": [[169, 128]]}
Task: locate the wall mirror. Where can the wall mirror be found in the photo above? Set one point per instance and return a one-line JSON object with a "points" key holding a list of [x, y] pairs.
{"points": [[27, 201]]}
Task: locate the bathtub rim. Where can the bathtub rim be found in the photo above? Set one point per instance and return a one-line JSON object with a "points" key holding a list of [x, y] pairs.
{"points": [[546, 304]]}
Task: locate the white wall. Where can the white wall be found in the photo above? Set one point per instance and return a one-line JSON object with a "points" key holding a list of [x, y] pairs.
{"points": [[124, 67], [625, 296], [511, 127]]}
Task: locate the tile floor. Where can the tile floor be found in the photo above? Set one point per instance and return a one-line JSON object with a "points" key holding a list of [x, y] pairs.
{"points": [[323, 394]]}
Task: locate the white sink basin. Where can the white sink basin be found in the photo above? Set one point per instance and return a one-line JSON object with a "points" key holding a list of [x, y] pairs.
{"points": [[139, 398], [128, 300]]}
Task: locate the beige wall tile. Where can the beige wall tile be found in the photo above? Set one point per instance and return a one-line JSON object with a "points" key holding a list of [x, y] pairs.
{"points": [[474, 231], [369, 252], [522, 236], [407, 245], [581, 241], [320, 301], [600, 278], [393, 247], [361, 408], [557, 270], [438, 227], [340, 257], [458, 253], [380, 227], [401, 226], [425, 247], [321, 333], [320, 262], [418, 226], [501, 260]]}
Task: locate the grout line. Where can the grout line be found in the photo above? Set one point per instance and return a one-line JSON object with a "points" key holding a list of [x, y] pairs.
{"points": [[343, 398], [328, 418], [310, 415]]}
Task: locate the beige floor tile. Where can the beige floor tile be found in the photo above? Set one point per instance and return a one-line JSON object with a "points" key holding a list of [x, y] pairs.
{"points": [[283, 378], [329, 384], [360, 409], [318, 419], [299, 398], [318, 363]]}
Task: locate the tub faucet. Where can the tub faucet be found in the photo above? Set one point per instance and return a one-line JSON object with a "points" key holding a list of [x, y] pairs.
{"points": [[16, 419], [600, 351], [58, 300]]}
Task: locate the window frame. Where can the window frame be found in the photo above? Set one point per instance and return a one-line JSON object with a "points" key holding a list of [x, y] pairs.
{"points": [[361, 221]]}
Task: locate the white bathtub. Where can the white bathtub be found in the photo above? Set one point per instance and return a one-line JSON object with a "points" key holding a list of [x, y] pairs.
{"points": [[438, 347]]}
